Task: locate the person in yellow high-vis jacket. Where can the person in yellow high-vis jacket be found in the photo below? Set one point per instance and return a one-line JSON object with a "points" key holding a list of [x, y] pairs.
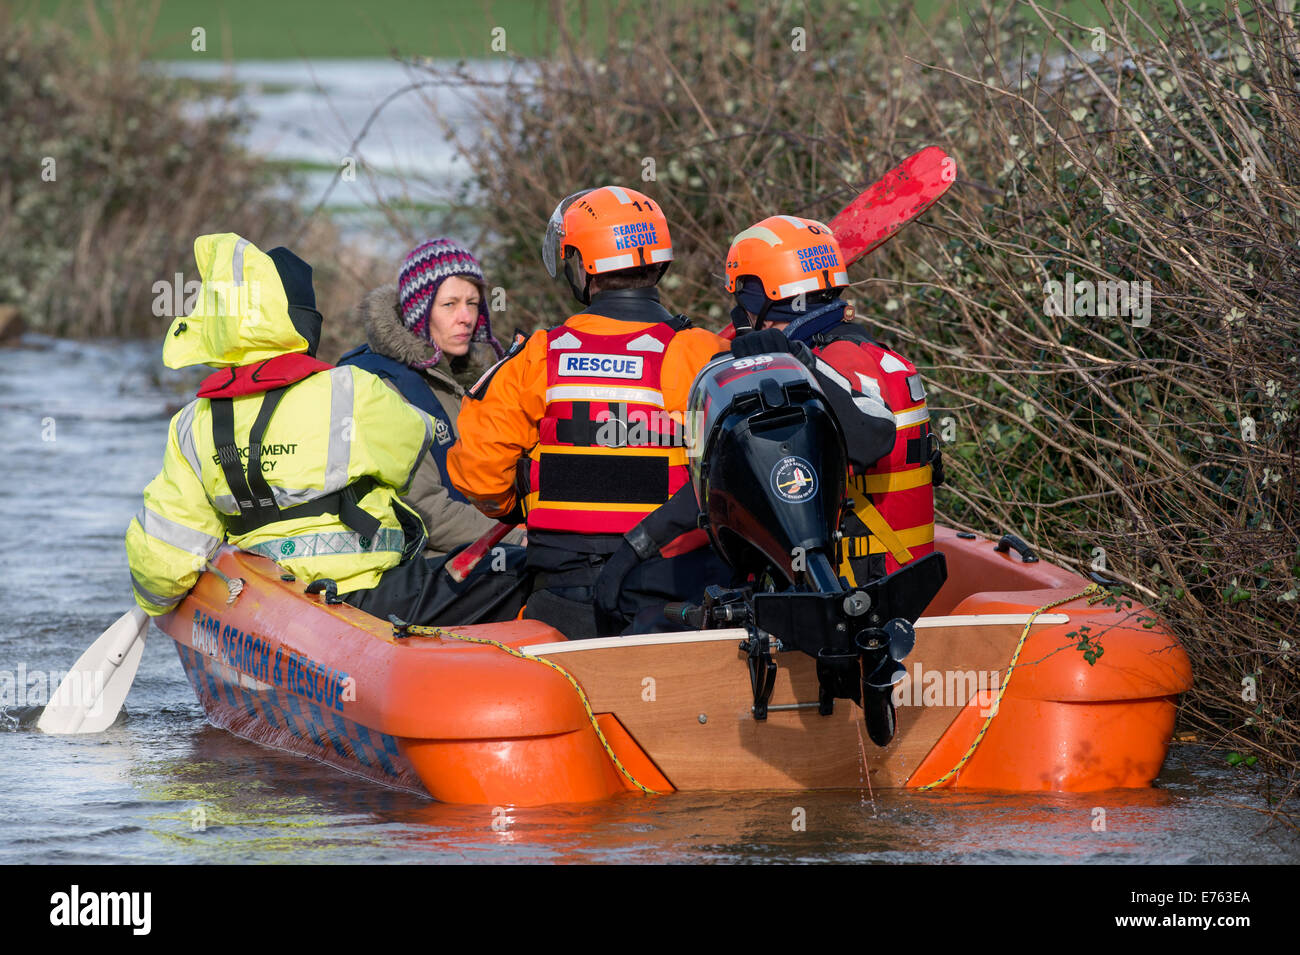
{"points": [[281, 454]]}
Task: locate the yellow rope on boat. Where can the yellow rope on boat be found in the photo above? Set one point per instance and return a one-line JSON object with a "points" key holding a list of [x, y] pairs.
{"points": [[1097, 594], [586, 705]]}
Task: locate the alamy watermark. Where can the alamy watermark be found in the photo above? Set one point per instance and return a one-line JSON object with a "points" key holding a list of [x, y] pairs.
{"points": [[77, 907], [922, 687], [23, 687], [654, 429], [211, 299], [1086, 298]]}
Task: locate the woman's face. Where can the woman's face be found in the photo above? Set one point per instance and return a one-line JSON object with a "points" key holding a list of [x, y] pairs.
{"points": [[455, 313]]}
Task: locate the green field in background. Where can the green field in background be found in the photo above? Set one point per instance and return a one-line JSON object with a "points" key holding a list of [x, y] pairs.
{"points": [[292, 29]]}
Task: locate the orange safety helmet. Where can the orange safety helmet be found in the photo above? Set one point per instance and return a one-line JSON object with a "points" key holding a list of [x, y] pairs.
{"points": [[788, 255], [611, 228]]}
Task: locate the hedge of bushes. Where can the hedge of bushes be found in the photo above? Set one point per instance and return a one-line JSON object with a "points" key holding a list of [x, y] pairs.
{"points": [[1158, 447]]}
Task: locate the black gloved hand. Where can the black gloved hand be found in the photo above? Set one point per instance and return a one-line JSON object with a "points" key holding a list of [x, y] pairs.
{"points": [[804, 354], [764, 342], [641, 543], [515, 515], [610, 620]]}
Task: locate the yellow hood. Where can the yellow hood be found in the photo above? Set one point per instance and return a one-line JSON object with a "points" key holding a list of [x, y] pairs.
{"points": [[241, 315]]}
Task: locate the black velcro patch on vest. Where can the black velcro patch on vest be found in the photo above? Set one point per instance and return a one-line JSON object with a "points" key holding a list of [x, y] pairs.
{"points": [[603, 479], [582, 431], [918, 449]]}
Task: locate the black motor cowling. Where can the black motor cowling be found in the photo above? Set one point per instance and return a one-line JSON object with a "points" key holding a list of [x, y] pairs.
{"points": [[768, 466]]}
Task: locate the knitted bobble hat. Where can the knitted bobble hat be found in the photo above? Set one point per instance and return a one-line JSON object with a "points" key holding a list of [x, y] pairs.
{"points": [[423, 272]]}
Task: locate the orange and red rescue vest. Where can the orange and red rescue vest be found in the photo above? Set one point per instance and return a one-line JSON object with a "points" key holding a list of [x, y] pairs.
{"points": [[609, 452]]}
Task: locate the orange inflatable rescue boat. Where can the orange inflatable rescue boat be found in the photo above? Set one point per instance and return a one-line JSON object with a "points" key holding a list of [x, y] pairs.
{"points": [[963, 669]]}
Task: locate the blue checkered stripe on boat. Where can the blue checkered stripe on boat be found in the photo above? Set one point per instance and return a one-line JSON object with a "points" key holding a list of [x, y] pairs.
{"points": [[285, 711]]}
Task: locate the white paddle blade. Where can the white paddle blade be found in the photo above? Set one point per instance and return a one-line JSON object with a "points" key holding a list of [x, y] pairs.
{"points": [[92, 693]]}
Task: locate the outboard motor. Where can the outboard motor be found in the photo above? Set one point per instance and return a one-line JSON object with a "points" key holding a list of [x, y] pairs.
{"points": [[768, 467]]}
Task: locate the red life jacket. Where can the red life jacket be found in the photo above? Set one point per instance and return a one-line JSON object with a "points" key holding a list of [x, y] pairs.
{"points": [[608, 452], [893, 500], [275, 372], [253, 494]]}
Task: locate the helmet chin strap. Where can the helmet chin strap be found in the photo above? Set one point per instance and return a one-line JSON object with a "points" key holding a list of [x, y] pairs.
{"points": [[740, 317], [751, 301], [581, 292]]}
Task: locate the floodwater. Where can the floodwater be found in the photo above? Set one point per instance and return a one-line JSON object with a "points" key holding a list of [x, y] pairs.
{"points": [[365, 131], [86, 425]]}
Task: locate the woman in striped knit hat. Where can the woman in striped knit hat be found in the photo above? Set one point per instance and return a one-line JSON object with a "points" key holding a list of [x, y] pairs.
{"points": [[430, 336]]}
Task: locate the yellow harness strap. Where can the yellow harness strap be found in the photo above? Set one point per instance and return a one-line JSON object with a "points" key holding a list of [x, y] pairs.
{"points": [[866, 512], [895, 481]]}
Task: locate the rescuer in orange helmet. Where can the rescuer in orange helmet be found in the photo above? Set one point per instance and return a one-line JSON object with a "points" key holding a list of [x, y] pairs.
{"points": [[787, 275], [578, 432]]}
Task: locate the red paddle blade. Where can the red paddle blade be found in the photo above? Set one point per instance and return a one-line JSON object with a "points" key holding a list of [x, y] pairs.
{"points": [[902, 194]]}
